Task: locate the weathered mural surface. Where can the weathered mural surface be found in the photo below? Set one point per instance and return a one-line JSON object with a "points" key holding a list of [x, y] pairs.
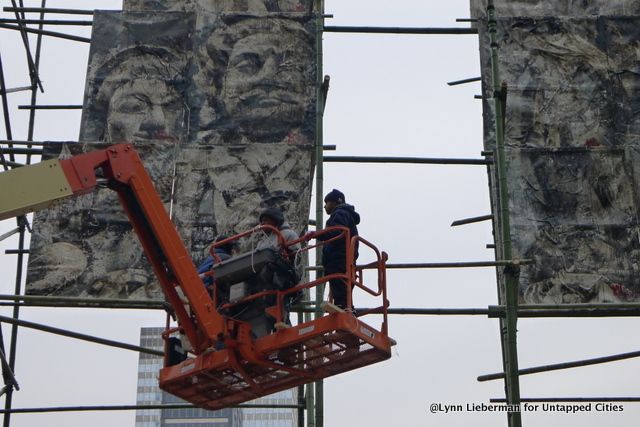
{"points": [[573, 144], [219, 99]]}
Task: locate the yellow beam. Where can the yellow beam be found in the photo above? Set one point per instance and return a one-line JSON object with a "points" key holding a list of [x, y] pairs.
{"points": [[31, 188]]}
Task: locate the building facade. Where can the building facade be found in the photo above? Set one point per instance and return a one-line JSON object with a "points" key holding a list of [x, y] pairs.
{"points": [[149, 393]]}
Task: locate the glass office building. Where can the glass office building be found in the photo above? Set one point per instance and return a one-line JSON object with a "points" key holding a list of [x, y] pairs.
{"points": [[150, 394], [272, 417]]}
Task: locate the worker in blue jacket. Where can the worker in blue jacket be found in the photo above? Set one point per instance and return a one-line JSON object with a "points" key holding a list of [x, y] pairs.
{"points": [[223, 252], [334, 253]]}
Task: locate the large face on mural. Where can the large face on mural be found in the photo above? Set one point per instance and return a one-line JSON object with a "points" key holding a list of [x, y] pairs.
{"points": [[197, 98], [263, 78], [142, 110], [142, 98], [264, 84]]}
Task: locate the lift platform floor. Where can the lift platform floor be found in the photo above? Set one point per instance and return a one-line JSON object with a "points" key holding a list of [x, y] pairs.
{"points": [[307, 352]]}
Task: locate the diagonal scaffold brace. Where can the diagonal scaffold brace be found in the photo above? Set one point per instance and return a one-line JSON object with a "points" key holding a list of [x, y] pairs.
{"points": [[10, 381]]}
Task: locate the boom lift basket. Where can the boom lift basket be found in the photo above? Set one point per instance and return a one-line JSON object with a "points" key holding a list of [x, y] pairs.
{"points": [[228, 362], [298, 355], [252, 367]]}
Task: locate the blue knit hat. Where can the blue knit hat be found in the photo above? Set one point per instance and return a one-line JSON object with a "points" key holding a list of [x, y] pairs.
{"points": [[335, 196]]}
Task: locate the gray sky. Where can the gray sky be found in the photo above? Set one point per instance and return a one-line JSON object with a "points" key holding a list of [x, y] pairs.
{"points": [[388, 97]]}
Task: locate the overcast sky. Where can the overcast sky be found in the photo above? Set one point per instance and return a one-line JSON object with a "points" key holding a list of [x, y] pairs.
{"points": [[388, 97]]}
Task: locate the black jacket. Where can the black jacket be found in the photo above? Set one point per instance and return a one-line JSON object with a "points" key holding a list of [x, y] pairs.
{"points": [[333, 253]]}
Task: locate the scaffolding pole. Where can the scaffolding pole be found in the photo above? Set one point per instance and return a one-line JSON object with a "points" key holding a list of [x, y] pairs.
{"points": [[564, 365], [399, 30], [134, 407], [302, 403], [50, 107], [315, 391], [320, 104], [570, 399], [493, 311], [46, 33], [33, 72], [76, 302], [472, 220], [467, 264], [70, 334], [5, 113], [463, 81], [508, 325], [15, 89], [21, 150], [38, 143], [45, 22], [414, 160], [34, 90], [16, 313], [48, 10]]}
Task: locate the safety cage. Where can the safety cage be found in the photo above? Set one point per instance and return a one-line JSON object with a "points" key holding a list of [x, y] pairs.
{"points": [[245, 366]]}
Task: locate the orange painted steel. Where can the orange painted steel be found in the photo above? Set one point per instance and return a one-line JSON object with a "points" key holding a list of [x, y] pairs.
{"points": [[226, 365], [172, 264], [249, 368], [321, 348]]}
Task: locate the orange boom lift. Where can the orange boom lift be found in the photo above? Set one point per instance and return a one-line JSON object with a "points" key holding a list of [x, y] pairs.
{"points": [[226, 364]]}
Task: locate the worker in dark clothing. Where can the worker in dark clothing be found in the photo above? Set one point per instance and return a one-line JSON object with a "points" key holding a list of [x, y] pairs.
{"points": [[334, 253]]}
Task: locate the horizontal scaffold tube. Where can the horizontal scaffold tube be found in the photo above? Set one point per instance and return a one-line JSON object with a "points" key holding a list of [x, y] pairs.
{"points": [[564, 365], [399, 30], [46, 301], [569, 399], [127, 408], [410, 160], [76, 335]]}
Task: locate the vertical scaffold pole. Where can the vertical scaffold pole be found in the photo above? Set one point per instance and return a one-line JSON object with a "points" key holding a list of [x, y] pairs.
{"points": [[315, 391], [511, 274], [301, 396], [320, 102], [22, 224]]}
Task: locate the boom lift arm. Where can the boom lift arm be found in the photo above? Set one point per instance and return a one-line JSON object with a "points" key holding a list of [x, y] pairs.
{"points": [[244, 366], [38, 186]]}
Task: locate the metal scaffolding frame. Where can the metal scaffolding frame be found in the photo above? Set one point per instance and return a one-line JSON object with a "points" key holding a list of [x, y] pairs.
{"points": [[311, 399]]}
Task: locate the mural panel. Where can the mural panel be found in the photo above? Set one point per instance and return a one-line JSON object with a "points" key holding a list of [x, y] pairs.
{"points": [[254, 6], [221, 107], [572, 141]]}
